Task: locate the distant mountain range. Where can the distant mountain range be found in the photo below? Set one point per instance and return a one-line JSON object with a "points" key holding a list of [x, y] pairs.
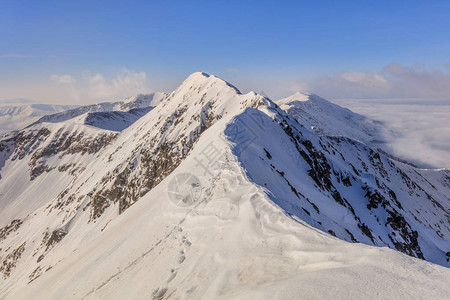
{"points": [[17, 114]]}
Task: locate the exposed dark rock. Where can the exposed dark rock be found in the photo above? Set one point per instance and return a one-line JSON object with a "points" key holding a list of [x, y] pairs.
{"points": [[10, 261], [267, 154], [409, 245], [366, 230], [35, 274], [8, 229], [50, 240], [307, 212]]}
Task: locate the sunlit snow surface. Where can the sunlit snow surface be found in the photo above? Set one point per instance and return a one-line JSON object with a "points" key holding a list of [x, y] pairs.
{"points": [[241, 232]]}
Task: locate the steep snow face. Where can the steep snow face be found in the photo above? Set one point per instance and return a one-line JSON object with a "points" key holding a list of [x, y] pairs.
{"points": [[212, 194], [326, 118], [37, 163], [15, 117], [343, 187], [112, 120], [150, 149], [233, 242], [98, 174]]}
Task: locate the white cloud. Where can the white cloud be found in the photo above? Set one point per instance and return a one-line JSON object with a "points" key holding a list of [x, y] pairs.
{"points": [[79, 89], [418, 81], [365, 80], [62, 78], [423, 127], [126, 83]]}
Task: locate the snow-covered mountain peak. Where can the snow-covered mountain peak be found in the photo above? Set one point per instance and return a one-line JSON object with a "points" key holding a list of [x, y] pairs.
{"points": [[139, 97], [326, 118], [305, 97], [201, 80], [298, 96], [140, 101], [197, 76], [271, 194]]}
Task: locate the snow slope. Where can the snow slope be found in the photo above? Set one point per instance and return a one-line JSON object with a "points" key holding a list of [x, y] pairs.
{"points": [[234, 244], [111, 120], [131, 103], [92, 213], [326, 118], [343, 187]]}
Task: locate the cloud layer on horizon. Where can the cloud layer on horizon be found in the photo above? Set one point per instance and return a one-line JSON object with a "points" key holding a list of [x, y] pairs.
{"points": [[392, 81], [423, 128], [84, 89]]}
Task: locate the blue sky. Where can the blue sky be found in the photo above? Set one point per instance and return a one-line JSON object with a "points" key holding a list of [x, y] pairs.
{"points": [[86, 51]]}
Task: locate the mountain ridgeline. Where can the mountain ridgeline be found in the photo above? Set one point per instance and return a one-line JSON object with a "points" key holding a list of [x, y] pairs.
{"points": [[77, 181]]}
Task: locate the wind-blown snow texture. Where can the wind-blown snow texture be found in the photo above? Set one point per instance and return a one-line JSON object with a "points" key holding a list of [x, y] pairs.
{"points": [[87, 207]]}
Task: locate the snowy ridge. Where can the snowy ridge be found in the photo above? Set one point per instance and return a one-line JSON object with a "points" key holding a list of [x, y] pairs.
{"points": [[326, 118], [111, 120], [131, 103], [257, 227], [364, 196]]}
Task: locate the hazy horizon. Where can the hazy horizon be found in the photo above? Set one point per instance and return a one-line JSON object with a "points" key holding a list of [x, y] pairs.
{"points": [[84, 52]]}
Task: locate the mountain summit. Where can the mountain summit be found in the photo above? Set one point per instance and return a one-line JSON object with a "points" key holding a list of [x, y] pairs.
{"points": [[210, 193]]}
